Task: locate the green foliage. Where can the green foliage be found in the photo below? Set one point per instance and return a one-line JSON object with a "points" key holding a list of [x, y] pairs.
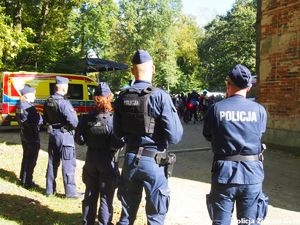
{"points": [[12, 40], [188, 36], [149, 25], [229, 40], [93, 25], [55, 36]]}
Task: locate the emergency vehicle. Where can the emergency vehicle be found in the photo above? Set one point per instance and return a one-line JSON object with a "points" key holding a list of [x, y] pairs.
{"points": [[80, 92]]}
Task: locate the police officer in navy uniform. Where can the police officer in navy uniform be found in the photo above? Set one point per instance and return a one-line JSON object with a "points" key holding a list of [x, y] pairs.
{"points": [[62, 119], [146, 117], [100, 172], [29, 120], [235, 126]]}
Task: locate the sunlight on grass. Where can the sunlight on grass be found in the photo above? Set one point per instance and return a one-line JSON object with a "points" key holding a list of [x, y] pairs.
{"points": [[30, 207]]}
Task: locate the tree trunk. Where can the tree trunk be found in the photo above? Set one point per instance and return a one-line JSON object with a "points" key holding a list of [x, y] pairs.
{"points": [[42, 22], [18, 15]]}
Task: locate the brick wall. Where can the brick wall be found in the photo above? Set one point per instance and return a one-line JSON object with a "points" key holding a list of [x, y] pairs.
{"points": [[279, 69]]}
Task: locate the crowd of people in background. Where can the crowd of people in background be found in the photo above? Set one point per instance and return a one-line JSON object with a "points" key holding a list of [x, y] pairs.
{"points": [[193, 106]]}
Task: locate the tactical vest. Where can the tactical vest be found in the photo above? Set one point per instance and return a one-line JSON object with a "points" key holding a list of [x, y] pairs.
{"points": [[96, 133], [134, 111], [52, 112]]}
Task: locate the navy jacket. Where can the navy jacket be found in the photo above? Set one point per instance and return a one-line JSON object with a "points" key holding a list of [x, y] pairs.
{"points": [[114, 143], [235, 126], [30, 121], [168, 128]]}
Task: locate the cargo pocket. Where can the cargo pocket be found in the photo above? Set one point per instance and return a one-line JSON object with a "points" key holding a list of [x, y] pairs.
{"points": [[262, 207], [68, 152], [159, 202], [209, 204]]}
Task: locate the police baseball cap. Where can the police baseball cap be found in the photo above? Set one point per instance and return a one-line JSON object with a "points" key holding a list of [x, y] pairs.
{"points": [[102, 90], [27, 89], [140, 57], [241, 76], [61, 80]]}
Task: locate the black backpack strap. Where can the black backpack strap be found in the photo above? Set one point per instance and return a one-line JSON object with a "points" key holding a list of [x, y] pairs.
{"points": [[149, 90]]}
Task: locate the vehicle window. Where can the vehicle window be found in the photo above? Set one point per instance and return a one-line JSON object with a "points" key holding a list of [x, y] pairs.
{"points": [[91, 90], [52, 88], [75, 91]]}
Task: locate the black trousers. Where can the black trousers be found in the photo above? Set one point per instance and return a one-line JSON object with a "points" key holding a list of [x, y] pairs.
{"points": [[30, 155], [100, 175]]}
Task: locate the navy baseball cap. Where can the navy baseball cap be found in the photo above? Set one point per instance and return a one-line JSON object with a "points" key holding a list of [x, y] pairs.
{"points": [[61, 80], [241, 76], [141, 56], [102, 90], [27, 89]]}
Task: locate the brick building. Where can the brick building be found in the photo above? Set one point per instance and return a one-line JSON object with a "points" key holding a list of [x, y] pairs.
{"points": [[278, 66]]}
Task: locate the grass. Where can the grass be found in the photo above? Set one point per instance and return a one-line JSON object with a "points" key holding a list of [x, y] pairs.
{"points": [[31, 207]]}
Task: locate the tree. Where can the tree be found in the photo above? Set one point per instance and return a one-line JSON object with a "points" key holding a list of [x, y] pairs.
{"points": [[188, 36], [62, 31], [90, 28], [12, 40], [149, 25], [93, 26], [48, 21], [229, 40]]}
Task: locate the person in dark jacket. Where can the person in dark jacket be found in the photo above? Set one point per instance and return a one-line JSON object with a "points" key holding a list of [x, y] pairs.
{"points": [[29, 120], [100, 172], [62, 119], [235, 127], [146, 117]]}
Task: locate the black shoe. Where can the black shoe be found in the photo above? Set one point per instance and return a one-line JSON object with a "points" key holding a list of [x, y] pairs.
{"points": [[76, 196], [30, 185]]}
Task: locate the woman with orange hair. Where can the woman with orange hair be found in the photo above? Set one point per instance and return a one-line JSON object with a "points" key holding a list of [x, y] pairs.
{"points": [[100, 172]]}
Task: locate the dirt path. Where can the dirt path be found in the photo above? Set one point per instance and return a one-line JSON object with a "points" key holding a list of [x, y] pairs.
{"points": [[191, 181]]}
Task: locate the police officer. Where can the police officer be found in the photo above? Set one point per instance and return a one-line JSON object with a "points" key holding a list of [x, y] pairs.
{"points": [[100, 172], [29, 120], [62, 119], [235, 126], [148, 120]]}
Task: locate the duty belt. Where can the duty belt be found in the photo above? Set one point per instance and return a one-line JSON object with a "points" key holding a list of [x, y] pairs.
{"points": [[158, 156], [142, 150], [57, 126], [62, 128], [239, 157]]}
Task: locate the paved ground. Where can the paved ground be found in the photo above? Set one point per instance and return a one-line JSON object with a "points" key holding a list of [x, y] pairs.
{"points": [[191, 179]]}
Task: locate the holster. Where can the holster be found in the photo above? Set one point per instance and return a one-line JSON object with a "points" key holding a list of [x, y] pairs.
{"points": [[167, 160]]}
